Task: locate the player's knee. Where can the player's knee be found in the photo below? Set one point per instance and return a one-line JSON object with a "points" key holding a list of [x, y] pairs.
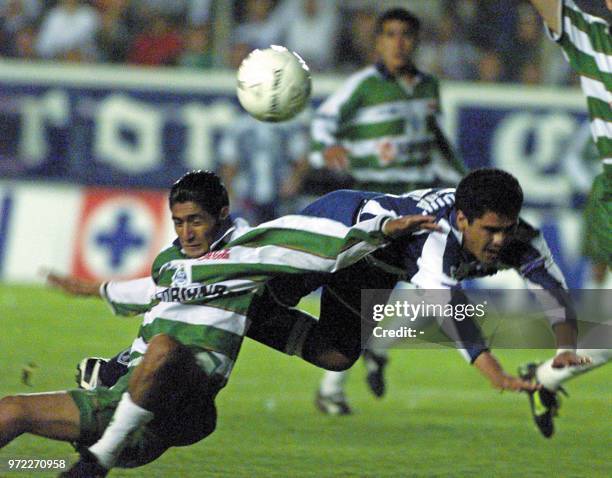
{"points": [[13, 412], [336, 361], [341, 362]]}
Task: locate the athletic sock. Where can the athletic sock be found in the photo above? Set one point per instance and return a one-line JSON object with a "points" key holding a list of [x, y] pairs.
{"points": [[552, 378], [333, 383], [373, 358], [127, 417]]}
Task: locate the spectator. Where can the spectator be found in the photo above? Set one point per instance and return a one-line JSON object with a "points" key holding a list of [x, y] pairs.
{"points": [[114, 34], [175, 10], [15, 15], [198, 12], [68, 32], [355, 48], [237, 53], [312, 30], [530, 74], [457, 59], [261, 28], [197, 53], [25, 41], [490, 67], [160, 44], [488, 29], [524, 67]]}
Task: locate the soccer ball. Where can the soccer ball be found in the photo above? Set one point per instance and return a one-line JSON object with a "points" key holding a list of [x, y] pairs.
{"points": [[273, 84]]}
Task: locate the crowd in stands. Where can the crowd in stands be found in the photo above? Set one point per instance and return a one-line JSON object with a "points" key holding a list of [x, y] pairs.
{"points": [[463, 40]]}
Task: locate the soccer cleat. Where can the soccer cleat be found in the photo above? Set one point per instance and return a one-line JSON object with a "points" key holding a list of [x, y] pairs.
{"points": [[88, 372], [375, 364], [544, 403], [334, 404], [86, 467]]}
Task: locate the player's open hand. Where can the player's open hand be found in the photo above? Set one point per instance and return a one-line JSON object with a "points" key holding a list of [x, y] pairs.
{"points": [[514, 384], [569, 359], [408, 224], [73, 285]]}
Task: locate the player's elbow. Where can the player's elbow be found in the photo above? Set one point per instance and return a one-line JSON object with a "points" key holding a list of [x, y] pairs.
{"points": [[12, 414]]}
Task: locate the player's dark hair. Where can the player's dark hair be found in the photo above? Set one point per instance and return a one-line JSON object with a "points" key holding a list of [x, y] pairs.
{"points": [[203, 188], [489, 190], [401, 14]]}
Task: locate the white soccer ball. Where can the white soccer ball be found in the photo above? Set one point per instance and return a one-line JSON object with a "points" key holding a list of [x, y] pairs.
{"points": [[273, 84]]}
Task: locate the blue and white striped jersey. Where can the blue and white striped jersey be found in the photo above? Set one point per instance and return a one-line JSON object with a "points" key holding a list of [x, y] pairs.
{"points": [[437, 260]]}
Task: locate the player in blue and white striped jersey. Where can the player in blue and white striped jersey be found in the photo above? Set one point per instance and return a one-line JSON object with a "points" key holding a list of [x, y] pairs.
{"points": [[480, 234]]}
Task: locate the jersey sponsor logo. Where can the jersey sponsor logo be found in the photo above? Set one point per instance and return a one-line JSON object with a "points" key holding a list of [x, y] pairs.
{"points": [[190, 294], [119, 233], [216, 255]]}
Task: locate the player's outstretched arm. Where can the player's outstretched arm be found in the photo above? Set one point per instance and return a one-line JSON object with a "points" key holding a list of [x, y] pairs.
{"points": [[409, 224], [490, 367], [549, 11], [73, 285]]}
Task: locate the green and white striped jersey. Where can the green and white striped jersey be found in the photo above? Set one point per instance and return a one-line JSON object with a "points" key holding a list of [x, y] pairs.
{"points": [[203, 302], [384, 123], [587, 45]]}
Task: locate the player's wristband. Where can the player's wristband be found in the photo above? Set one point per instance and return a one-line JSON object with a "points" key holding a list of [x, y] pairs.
{"points": [[384, 221]]}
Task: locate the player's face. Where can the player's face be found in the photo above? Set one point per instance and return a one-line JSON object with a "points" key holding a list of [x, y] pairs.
{"points": [[485, 236], [395, 44], [194, 227]]}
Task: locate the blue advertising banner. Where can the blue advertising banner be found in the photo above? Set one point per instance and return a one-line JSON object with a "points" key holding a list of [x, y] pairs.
{"points": [[135, 127], [111, 126], [104, 136]]}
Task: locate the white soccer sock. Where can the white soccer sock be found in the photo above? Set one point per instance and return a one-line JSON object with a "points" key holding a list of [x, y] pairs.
{"points": [[127, 418], [333, 383], [552, 378]]}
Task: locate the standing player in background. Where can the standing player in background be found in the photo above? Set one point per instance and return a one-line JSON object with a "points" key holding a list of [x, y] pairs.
{"points": [[382, 129], [586, 41]]}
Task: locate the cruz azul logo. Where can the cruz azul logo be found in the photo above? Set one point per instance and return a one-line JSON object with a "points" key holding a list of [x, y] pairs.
{"points": [[119, 233]]}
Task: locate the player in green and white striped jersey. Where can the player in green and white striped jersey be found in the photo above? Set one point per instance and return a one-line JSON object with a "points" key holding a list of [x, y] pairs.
{"points": [[586, 41], [587, 45], [382, 127], [191, 333], [382, 124]]}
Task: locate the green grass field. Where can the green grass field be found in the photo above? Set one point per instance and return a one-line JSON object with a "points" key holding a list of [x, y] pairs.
{"points": [[439, 417]]}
